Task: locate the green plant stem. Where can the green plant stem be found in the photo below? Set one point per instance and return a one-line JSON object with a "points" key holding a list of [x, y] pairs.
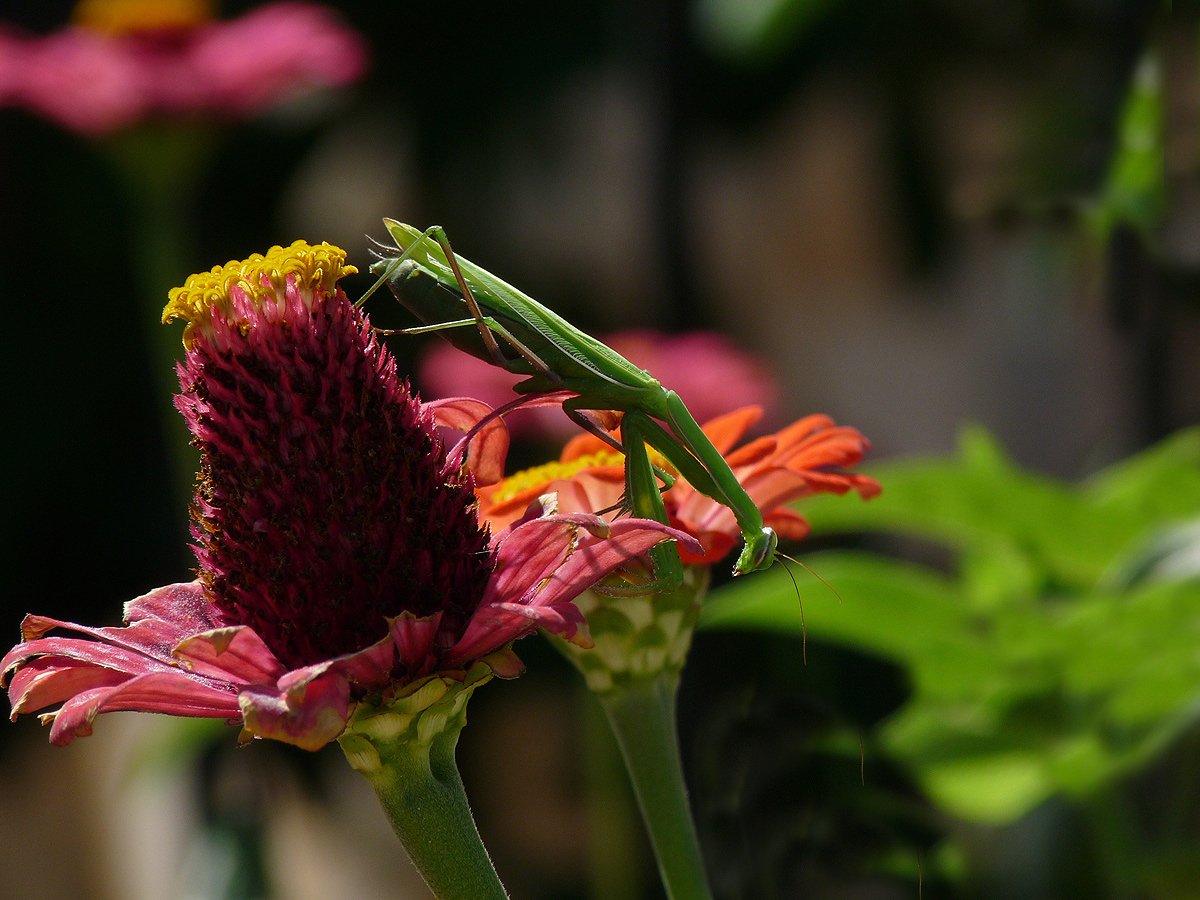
{"points": [[422, 794], [642, 713]]}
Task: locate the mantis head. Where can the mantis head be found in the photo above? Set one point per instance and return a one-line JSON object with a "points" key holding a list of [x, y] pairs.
{"points": [[758, 553]]}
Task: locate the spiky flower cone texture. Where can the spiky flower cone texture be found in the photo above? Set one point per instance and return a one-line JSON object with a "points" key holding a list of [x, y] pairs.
{"points": [[321, 507]]}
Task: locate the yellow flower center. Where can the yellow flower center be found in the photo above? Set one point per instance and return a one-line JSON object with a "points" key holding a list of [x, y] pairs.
{"points": [[261, 277], [129, 16], [523, 480]]}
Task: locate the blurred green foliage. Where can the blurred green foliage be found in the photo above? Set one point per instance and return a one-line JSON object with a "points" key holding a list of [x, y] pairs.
{"points": [[1134, 193], [1055, 648], [755, 30]]}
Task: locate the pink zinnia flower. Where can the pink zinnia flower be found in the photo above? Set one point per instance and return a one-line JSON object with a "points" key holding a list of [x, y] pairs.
{"points": [[708, 372], [122, 62], [341, 560]]}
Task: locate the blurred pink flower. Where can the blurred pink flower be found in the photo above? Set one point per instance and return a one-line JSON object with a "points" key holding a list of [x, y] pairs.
{"points": [[95, 82], [710, 374], [341, 558]]}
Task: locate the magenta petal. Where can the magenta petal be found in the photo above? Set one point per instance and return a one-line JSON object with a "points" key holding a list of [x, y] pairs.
{"points": [[369, 668], [178, 610], [597, 557], [541, 597], [54, 679], [564, 619], [414, 638], [93, 652], [173, 693], [236, 654], [157, 622], [488, 448], [309, 715], [528, 555]]}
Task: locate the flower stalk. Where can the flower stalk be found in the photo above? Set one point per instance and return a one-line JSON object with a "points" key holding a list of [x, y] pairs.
{"points": [[406, 751], [641, 642]]}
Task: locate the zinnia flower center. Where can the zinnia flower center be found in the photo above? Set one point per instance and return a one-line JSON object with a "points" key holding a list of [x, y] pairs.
{"points": [[321, 508]]}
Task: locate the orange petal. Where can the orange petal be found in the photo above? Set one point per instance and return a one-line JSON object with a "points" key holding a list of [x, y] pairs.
{"points": [[725, 431], [788, 524]]}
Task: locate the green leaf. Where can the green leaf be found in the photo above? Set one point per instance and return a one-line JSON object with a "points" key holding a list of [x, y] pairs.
{"points": [[1135, 191], [991, 789]]}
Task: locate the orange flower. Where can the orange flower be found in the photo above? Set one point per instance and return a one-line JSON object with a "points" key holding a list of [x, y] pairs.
{"points": [[808, 457]]}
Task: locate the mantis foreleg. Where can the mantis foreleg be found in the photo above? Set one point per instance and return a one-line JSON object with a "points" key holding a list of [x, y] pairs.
{"points": [[760, 540], [645, 500]]}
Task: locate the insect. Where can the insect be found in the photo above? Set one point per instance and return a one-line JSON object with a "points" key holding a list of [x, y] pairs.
{"points": [[482, 315]]}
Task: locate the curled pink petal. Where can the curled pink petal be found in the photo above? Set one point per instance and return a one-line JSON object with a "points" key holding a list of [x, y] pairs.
{"points": [[309, 715], [488, 448], [173, 693], [55, 679], [414, 639], [595, 558], [511, 613]]}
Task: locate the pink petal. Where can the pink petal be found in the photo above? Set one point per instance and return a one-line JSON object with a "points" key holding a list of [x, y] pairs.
{"points": [[370, 667], [309, 715], [235, 654], [528, 555], [488, 448], [94, 652], [595, 558], [55, 679], [413, 638], [510, 612], [173, 693], [158, 621]]}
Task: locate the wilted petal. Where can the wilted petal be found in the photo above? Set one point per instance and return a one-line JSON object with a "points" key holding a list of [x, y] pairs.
{"points": [[55, 679], [595, 558], [92, 652], [157, 621], [506, 616], [528, 555], [173, 693], [310, 714]]}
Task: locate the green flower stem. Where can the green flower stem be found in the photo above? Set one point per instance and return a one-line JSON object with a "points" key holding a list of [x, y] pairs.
{"points": [[642, 714], [406, 750], [423, 797], [641, 642]]}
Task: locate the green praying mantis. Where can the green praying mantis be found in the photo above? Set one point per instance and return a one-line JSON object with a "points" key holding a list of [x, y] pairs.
{"points": [[482, 315]]}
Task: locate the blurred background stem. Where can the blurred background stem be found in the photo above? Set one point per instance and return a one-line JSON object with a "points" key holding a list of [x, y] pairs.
{"points": [[160, 165]]}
